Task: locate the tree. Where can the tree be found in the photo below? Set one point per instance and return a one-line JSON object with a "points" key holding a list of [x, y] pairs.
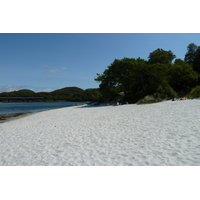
{"points": [[196, 62], [93, 94], [139, 73], [161, 56], [178, 61], [107, 85], [125, 75], [157, 75], [116, 76], [191, 53]]}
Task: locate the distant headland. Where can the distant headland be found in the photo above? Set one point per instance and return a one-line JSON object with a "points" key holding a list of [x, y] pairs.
{"points": [[64, 94]]}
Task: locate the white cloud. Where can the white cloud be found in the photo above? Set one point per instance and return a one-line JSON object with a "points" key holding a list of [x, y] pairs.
{"points": [[10, 88]]}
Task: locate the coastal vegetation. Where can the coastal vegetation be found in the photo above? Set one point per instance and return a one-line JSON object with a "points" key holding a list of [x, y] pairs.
{"points": [[153, 80]]}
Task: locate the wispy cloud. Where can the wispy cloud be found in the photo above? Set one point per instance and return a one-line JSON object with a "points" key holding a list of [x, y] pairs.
{"points": [[55, 70], [10, 88], [52, 71], [44, 90]]}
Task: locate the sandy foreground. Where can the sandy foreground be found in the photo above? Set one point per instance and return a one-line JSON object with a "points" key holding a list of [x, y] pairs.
{"points": [[166, 133]]}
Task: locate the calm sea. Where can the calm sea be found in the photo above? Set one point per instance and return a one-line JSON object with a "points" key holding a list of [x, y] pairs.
{"points": [[27, 107]]}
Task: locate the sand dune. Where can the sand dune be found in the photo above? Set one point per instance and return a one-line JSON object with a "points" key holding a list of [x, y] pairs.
{"points": [[166, 133]]}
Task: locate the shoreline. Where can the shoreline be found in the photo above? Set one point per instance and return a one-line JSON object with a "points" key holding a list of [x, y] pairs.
{"points": [[13, 116], [159, 134]]}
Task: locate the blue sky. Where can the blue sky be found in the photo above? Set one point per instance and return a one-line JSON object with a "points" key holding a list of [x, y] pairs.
{"points": [[50, 61]]}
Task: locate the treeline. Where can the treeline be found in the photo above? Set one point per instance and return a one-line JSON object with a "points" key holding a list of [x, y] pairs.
{"points": [[64, 94], [152, 80]]}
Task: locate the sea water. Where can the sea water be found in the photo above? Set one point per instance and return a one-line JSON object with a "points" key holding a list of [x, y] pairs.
{"points": [[32, 107]]}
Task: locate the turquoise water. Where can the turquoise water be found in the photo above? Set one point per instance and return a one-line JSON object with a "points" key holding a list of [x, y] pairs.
{"points": [[31, 107]]}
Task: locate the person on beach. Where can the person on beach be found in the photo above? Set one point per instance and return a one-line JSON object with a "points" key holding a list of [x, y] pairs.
{"points": [[183, 98]]}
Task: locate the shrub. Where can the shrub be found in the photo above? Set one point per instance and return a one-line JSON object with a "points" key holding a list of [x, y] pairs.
{"points": [[149, 99], [165, 92], [195, 93]]}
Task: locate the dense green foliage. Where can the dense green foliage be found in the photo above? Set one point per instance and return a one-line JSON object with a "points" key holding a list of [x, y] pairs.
{"points": [[64, 94], [196, 63], [191, 53], [193, 57], [161, 56], [151, 80]]}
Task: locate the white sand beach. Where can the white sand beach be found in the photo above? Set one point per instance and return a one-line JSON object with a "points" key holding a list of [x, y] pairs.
{"points": [[166, 133]]}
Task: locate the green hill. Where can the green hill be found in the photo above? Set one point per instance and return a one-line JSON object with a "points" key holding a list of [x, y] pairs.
{"points": [[63, 94]]}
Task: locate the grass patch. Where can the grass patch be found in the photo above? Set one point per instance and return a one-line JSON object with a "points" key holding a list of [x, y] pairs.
{"points": [[6, 117]]}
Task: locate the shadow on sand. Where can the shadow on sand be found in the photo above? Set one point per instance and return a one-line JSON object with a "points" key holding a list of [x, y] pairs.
{"points": [[96, 105]]}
